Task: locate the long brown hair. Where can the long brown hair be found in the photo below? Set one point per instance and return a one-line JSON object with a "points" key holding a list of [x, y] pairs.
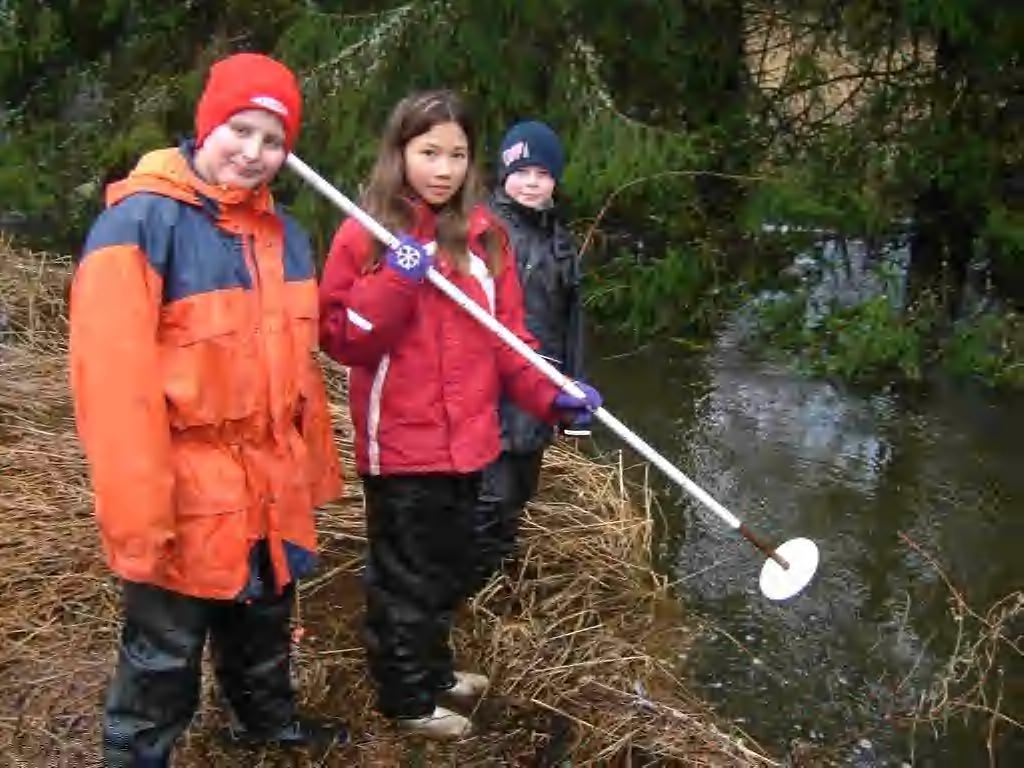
{"points": [[387, 196]]}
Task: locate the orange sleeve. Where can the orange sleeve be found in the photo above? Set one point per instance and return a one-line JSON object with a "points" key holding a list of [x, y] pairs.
{"points": [[120, 407], [319, 437]]}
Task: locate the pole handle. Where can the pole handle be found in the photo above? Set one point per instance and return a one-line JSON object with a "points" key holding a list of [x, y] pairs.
{"points": [[764, 546]]}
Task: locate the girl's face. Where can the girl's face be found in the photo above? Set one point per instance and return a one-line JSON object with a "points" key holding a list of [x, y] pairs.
{"points": [[436, 162], [531, 186], [245, 151]]}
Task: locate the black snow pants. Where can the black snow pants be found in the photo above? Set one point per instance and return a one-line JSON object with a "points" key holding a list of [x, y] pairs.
{"points": [[507, 484], [155, 688], [420, 564]]}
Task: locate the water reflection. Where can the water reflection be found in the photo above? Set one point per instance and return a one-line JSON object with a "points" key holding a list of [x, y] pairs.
{"points": [[796, 457]]}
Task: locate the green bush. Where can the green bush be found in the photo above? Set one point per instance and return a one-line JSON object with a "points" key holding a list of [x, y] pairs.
{"points": [[674, 293], [873, 342], [989, 348], [867, 342]]}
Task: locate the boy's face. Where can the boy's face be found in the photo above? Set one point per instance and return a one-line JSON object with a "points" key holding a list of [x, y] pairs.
{"points": [[245, 151], [531, 186]]}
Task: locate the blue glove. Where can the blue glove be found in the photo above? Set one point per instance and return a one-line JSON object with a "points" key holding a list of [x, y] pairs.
{"points": [[409, 259], [572, 408]]}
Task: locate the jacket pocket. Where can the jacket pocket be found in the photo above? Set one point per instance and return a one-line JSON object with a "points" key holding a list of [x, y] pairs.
{"points": [[212, 501], [211, 359], [209, 478]]}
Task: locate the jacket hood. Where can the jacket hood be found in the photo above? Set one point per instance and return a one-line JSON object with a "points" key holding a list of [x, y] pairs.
{"points": [[168, 172]]}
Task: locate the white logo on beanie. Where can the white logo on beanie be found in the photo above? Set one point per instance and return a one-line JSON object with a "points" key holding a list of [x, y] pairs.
{"points": [[518, 151], [269, 102]]}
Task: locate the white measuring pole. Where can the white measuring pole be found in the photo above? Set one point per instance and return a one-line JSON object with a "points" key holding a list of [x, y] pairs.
{"points": [[484, 317]]}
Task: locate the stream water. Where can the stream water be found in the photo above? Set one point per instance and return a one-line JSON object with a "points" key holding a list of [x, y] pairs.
{"points": [[833, 669]]}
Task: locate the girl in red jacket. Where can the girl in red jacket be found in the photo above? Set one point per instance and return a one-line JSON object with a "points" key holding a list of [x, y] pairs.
{"points": [[424, 389]]}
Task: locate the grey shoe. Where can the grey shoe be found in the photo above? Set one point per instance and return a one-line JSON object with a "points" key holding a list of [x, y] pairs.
{"points": [[441, 724], [468, 685]]}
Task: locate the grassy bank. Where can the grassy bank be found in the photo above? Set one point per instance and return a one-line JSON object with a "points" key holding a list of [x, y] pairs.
{"points": [[581, 640]]}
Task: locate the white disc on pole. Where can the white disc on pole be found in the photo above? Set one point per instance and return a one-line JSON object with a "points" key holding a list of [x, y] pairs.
{"points": [[778, 583]]}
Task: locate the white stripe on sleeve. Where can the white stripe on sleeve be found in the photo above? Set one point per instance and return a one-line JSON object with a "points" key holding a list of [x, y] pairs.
{"points": [[358, 320]]}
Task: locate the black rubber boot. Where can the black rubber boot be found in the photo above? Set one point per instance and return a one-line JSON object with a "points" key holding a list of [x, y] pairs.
{"points": [[251, 645], [155, 688], [507, 485], [300, 732]]}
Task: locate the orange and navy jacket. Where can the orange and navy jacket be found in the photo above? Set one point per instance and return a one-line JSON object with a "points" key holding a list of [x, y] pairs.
{"points": [[198, 398], [425, 377]]}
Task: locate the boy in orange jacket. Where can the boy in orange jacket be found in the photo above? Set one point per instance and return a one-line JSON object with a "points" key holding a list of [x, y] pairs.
{"points": [[204, 419]]}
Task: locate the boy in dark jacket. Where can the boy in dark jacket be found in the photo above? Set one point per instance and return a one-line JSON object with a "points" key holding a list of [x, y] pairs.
{"points": [[530, 164]]}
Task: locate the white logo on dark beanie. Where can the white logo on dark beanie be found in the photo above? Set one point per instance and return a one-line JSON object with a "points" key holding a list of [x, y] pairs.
{"points": [[518, 151], [269, 102]]}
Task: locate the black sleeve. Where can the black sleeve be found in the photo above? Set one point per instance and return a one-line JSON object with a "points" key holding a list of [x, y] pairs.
{"points": [[575, 321]]}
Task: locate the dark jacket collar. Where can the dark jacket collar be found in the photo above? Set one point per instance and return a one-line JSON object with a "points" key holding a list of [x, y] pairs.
{"points": [[513, 211]]}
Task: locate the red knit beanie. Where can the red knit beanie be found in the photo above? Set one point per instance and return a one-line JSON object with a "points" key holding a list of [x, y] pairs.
{"points": [[249, 81]]}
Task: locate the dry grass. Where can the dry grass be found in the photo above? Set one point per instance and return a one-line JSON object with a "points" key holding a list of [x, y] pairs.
{"points": [[581, 640], [979, 671]]}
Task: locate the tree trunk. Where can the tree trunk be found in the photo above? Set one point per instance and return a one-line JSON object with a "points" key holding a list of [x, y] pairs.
{"points": [[946, 222]]}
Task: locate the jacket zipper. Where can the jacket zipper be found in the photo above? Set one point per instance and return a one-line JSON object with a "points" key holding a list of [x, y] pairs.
{"points": [[249, 250]]}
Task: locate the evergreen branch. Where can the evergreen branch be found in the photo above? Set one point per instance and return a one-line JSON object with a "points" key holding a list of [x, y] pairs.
{"points": [[660, 175]]}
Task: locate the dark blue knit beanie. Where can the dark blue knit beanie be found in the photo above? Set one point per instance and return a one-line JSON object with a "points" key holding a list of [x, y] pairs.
{"points": [[530, 143]]}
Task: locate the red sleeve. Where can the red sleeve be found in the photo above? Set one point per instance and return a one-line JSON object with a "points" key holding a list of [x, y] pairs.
{"points": [[362, 313], [120, 407]]}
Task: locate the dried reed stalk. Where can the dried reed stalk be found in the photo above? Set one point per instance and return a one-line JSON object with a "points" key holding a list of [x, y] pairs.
{"points": [[971, 684]]}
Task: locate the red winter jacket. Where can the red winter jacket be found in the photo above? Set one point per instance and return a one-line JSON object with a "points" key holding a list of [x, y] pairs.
{"points": [[425, 377]]}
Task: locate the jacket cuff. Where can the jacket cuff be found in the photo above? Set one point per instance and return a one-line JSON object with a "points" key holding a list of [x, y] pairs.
{"points": [[140, 558]]}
